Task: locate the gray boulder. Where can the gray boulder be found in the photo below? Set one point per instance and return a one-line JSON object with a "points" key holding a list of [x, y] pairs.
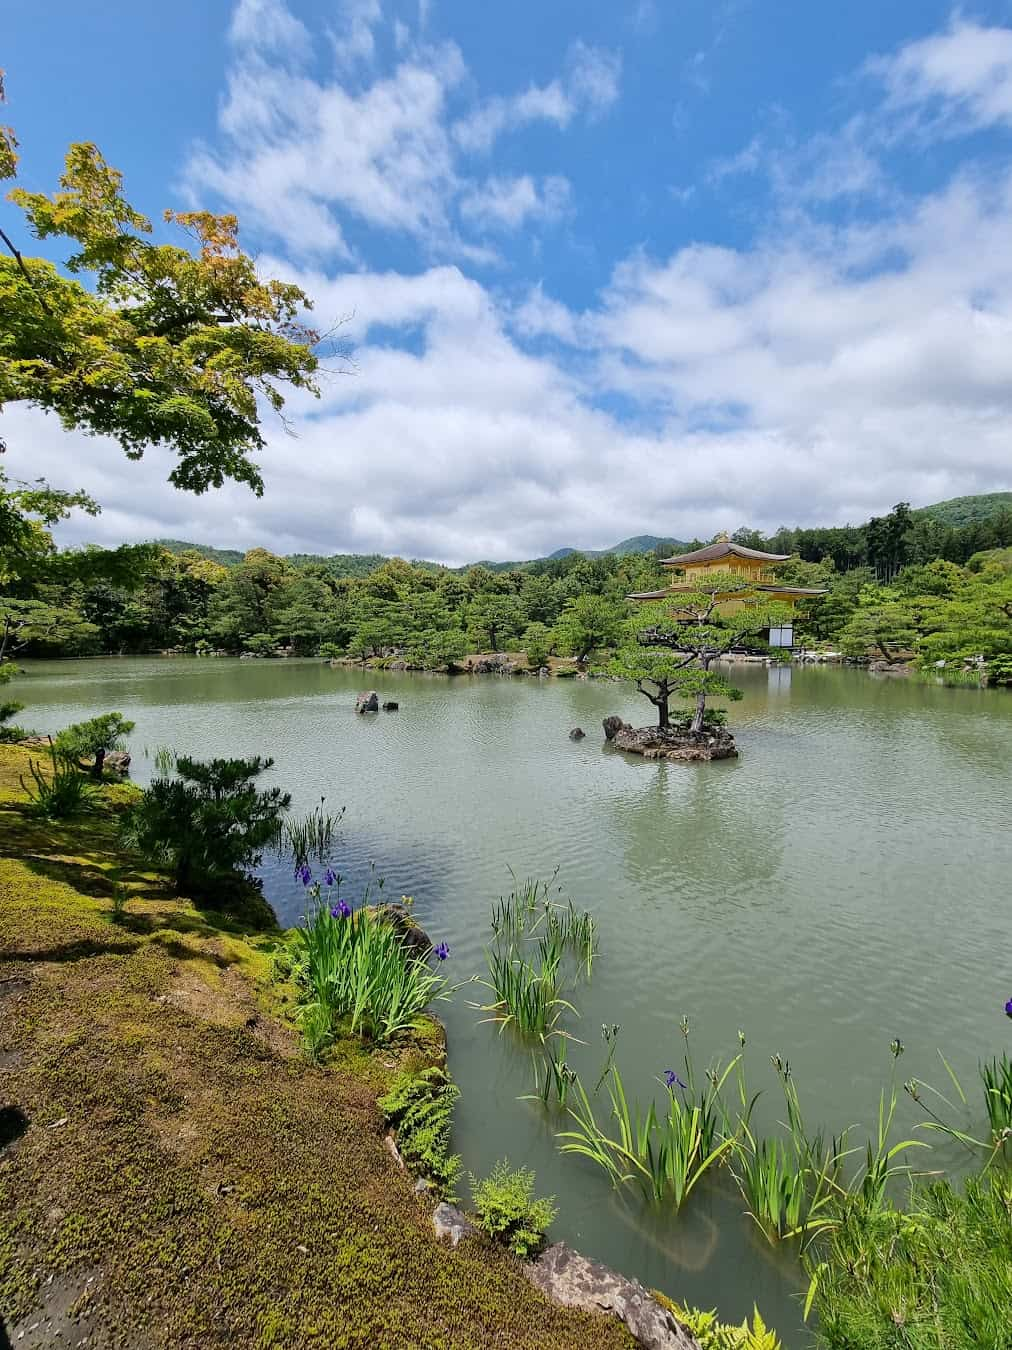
{"points": [[612, 726], [368, 702], [118, 761], [391, 705], [574, 1281], [451, 1223], [577, 734]]}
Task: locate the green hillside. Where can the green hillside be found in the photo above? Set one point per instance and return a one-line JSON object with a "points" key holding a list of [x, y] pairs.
{"points": [[959, 511]]}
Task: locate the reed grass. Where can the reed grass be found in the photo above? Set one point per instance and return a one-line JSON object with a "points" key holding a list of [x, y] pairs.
{"points": [[527, 995], [311, 837], [667, 1155]]}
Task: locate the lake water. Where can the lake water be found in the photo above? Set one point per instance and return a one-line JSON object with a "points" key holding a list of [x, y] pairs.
{"points": [[844, 882]]}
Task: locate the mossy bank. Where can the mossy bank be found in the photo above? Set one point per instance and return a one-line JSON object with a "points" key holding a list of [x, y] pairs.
{"points": [[173, 1172]]}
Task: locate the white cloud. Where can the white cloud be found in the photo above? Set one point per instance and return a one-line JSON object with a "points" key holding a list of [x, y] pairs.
{"points": [[961, 79], [269, 24], [354, 41], [815, 374], [590, 86], [509, 203], [301, 155]]}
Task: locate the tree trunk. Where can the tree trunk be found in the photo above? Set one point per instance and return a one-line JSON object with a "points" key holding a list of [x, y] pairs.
{"points": [[96, 768], [696, 725], [663, 710]]}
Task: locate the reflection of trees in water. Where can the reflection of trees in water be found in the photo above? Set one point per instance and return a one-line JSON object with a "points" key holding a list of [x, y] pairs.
{"points": [[703, 830]]}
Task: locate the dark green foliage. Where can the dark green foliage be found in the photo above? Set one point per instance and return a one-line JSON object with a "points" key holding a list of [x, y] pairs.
{"points": [[92, 739], [209, 824], [420, 1108], [507, 1210], [935, 1276]]}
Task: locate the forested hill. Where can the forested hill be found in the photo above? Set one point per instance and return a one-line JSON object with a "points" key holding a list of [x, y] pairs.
{"points": [[361, 564], [959, 511], [955, 513]]}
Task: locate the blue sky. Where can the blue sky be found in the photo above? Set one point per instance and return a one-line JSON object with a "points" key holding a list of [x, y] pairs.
{"points": [[666, 266]]}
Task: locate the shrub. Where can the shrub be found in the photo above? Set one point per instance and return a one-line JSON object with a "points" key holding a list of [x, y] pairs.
{"points": [[537, 643], [209, 824], [330, 651], [420, 1107], [507, 1211], [92, 739], [63, 793], [260, 644]]}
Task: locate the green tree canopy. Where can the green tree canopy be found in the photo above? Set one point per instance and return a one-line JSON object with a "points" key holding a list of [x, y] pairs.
{"points": [[168, 345]]}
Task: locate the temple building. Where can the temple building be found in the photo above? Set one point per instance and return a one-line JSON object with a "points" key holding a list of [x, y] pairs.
{"points": [[690, 570]]}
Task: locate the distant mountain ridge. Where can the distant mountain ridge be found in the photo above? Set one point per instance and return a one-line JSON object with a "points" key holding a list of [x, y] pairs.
{"points": [[358, 564], [956, 512]]}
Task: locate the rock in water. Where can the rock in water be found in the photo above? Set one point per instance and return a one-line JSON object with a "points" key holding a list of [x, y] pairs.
{"points": [[669, 743], [391, 705], [118, 761], [567, 1278], [577, 734], [368, 702], [612, 726]]}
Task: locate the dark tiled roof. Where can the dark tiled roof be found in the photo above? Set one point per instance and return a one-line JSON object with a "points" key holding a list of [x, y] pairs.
{"points": [[722, 549]]}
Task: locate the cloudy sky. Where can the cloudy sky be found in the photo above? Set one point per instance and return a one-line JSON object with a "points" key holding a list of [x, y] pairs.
{"points": [[661, 266]]}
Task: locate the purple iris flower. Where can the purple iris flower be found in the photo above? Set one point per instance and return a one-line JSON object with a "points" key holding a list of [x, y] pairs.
{"points": [[671, 1080], [442, 951], [335, 912], [344, 910], [329, 877], [1008, 1007], [304, 874]]}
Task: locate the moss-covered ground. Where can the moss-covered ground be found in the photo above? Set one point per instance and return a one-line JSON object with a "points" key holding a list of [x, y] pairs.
{"points": [[172, 1171]]}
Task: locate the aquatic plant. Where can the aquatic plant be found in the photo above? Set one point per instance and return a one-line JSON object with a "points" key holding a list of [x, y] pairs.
{"points": [[508, 1211], [357, 966], [786, 1196], [310, 837], [553, 1076], [664, 1155], [526, 994], [996, 1079]]}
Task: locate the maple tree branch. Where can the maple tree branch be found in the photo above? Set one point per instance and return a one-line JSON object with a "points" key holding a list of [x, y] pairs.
{"points": [[25, 272]]}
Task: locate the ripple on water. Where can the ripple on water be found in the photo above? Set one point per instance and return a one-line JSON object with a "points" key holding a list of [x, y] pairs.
{"points": [[844, 882]]}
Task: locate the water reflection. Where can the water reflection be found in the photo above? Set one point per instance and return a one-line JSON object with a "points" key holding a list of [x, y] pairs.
{"points": [[843, 882]]}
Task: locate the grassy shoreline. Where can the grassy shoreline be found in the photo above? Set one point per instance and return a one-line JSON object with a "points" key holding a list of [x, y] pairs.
{"points": [[175, 1172]]}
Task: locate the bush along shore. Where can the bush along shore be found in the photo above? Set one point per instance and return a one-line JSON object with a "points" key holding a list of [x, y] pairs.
{"points": [[197, 1124]]}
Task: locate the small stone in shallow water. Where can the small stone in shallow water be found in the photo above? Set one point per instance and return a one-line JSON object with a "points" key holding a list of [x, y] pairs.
{"points": [[391, 705], [577, 734]]}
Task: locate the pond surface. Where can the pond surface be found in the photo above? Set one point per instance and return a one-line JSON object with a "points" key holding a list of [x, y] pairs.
{"points": [[846, 881]]}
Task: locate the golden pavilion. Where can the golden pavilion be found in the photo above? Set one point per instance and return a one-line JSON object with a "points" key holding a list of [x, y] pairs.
{"points": [[757, 569]]}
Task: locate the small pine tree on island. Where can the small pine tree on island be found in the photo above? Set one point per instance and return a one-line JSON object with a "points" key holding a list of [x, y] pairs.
{"points": [[671, 646]]}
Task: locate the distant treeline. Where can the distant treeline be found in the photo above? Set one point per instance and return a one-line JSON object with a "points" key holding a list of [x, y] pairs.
{"points": [[901, 583]]}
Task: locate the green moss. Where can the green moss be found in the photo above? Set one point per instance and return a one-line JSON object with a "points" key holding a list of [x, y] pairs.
{"points": [[229, 1192]]}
